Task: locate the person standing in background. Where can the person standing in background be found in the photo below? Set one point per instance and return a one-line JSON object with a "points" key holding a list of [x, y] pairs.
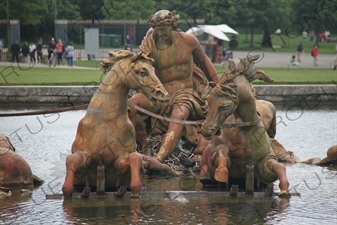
{"points": [[59, 51], [15, 50], [70, 54], [1, 47], [128, 45], [312, 34], [51, 47], [299, 51], [25, 52], [304, 35], [335, 60], [314, 53], [39, 51], [32, 50]]}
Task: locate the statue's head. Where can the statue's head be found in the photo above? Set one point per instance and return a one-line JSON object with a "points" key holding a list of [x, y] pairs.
{"points": [[164, 18]]}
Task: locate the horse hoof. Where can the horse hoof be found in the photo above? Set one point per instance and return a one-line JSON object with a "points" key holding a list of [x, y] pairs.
{"points": [[135, 196], [121, 191], [284, 194], [221, 175], [85, 193]]}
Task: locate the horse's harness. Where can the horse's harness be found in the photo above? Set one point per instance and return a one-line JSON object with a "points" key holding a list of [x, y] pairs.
{"points": [[243, 124]]}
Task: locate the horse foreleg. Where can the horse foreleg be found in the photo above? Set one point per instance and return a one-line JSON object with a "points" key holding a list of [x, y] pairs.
{"points": [[205, 160], [74, 163], [135, 162], [273, 170], [221, 162]]}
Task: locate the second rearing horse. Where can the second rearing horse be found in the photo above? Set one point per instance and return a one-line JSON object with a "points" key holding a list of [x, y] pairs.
{"points": [[243, 137]]}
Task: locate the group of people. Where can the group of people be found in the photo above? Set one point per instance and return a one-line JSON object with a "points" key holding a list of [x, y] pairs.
{"points": [[32, 50], [59, 51], [300, 52]]}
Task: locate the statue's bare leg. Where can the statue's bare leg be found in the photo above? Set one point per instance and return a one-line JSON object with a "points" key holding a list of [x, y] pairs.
{"points": [[75, 163], [153, 164], [174, 132]]}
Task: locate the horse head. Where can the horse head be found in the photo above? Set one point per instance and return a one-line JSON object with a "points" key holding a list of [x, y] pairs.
{"points": [[138, 73], [223, 104]]}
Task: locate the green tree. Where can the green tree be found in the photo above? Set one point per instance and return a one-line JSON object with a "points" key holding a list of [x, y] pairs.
{"points": [[90, 9], [32, 14], [128, 9], [313, 14], [263, 15]]}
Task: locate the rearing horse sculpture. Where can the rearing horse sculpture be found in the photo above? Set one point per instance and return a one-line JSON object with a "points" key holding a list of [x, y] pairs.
{"points": [[106, 136], [244, 139]]}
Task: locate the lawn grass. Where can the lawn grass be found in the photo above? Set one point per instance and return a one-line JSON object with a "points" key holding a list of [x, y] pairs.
{"points": [[282, 43], [48, 76], [14, 75]]}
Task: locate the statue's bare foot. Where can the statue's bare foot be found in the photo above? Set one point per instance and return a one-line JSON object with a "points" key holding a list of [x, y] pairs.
{"points": [[284, 194], [221, 174]]}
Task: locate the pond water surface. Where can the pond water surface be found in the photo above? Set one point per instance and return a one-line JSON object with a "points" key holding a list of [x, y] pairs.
{"points": [[45, 140]]}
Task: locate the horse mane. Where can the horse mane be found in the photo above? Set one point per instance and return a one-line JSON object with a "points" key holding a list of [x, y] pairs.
{"points": [[246, 67], [106, 64]]}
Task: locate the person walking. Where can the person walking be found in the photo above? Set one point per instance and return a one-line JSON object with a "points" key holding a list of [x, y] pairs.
{"points": [[299, 51], [39, 48], [25, 51], [335, 60], [51, 48], [32, 50], [15, 50], [70, 54], [312, 34], [314, 53], [1, 47], [59, 51], [129, 43]]}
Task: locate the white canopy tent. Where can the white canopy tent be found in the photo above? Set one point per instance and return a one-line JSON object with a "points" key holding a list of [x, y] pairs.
{"points": [[226, 29], [217, 31]]}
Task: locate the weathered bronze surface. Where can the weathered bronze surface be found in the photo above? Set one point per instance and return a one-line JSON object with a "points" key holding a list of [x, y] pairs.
{"points": [[106, 135], [234, 103], [184, 69]]}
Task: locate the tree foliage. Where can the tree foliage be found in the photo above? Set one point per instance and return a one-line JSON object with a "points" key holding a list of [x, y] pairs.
{"points": [[291, 16], [318, 15], [32, 13], [128, 9]]}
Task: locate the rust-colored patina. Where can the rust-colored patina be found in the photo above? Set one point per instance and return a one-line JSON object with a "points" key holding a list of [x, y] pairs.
{"points": [[184, 69], [244, 139], [267, 111], [14, 170], [330, 159], [106, 135]]}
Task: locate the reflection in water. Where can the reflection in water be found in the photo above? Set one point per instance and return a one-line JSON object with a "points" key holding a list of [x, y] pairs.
{"points": [[163, 211], [44, 141]]}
